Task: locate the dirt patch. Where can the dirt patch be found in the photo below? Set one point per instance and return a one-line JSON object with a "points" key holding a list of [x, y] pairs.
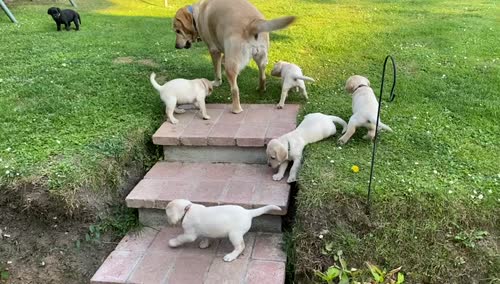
{"points": [[123, 60], [131, 59], [147, 62], [36, 251]]}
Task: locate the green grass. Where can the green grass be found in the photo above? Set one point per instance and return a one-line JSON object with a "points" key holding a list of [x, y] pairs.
{"points": [[72, 120]]}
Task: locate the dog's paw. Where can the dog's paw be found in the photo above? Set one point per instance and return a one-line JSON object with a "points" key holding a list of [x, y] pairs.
{"points": [[206, 117], [173, 243], [205, 243], [174, 121], [280, 106], [291, 179], [237, 110], [277, 177], [217, 83], [342, 141], [229, 257]]}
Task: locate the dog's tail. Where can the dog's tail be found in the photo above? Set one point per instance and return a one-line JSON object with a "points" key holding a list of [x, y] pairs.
{"points": [[304, 78], [384, 126], [261, 26], [339, 121], [153, 81], [263, 210]]}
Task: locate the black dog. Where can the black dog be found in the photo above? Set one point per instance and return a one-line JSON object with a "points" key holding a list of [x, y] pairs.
{"points": [[65, 17]]}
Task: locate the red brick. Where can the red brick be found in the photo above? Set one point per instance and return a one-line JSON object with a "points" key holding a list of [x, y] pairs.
{"points": [[269, 194], [168, 133], [239, 193], [153, 268], [259, 116], [117, 267], [269, 246], [277, 131], [265, 272], [196, 133], [145, 193], [251, 172], [222, 272], [193, 249], [229, 118], [163, 170], [173, 190], [137, 241], [160, 243], [251, 135], [219, 171], [218, 106], [189, 269], [223, 135], [226, 247], [208, 192]]}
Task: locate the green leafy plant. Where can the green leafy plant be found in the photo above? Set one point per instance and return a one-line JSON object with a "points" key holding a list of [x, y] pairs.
{"points": [[342, 272], [4, 274], [382, 276], [470, 238]]}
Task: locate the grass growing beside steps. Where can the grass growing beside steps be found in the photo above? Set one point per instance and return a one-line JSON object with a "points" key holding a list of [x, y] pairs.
{"points": [[76, 109]]}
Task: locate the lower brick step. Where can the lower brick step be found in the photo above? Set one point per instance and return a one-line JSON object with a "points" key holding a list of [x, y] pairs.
{"points": [[145, 257]]}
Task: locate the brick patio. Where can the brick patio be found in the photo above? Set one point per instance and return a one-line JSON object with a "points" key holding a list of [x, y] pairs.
{"points": [[145, 257], [254, 127]]}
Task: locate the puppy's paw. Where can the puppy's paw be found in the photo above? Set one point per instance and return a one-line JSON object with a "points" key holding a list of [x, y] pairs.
{"points": [[280, 106], [277, 177], [174, 121], [368, 137], [205, 243], [217, 83], [291, 179], [229, 257], [207, 117], [173, 243], [342, 141], [237, 110]]}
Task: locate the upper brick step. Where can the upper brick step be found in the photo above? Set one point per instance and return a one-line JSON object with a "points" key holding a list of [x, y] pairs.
{"points": [[254, 127], [247, 185], [145, 257]]}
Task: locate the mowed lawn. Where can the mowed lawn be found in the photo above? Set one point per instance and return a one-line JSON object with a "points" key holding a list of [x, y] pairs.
{"points": [[77, 110]]}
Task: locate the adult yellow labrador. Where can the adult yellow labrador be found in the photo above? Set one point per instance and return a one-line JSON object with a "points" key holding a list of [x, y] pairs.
{"points": [[234, 28]]}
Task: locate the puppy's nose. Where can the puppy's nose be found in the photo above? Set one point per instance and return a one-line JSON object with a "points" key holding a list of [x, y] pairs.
{"points": [[188, 45], [178, 46], [268, 164]]}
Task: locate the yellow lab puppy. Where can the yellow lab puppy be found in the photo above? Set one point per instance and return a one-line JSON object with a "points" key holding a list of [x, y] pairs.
{"points": [[234, 28]]}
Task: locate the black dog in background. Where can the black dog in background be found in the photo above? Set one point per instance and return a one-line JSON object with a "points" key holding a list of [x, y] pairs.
{"points": [[65, 17]]}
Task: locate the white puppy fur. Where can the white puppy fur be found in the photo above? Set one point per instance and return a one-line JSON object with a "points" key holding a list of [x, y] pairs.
{"points": [[213, 222], [182, 91], [364, 108], [289, 147], [291, 77]]}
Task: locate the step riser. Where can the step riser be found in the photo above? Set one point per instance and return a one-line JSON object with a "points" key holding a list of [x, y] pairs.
{"points": [[265, 223], [215, 154]]}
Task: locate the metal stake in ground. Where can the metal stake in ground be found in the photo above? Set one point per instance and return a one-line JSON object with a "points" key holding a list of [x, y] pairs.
{"points": [[7, 11], [391, 98]]}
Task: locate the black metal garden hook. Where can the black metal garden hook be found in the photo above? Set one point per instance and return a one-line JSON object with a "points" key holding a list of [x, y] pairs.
{"points": [[391, 98]]}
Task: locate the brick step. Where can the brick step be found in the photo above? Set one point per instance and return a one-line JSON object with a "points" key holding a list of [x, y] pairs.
{"points": [[145, 257], [257, 124], [247, 185]]}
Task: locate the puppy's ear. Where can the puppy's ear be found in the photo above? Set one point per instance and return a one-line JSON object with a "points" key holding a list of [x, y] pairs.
{"points": [[277, 69], [48, 11], [281, 153], [208, 86], [58, 10]]}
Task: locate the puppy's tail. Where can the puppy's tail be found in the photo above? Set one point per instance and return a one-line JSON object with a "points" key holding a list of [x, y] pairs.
{"points": [[153, 81], [304, 78], [263, 210], [339, 121], [261, 26], [384, 126]]}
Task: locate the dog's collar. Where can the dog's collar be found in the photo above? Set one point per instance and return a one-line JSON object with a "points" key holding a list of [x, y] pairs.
{"points": [[191, 11], [360, 86], [186, 209]]}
